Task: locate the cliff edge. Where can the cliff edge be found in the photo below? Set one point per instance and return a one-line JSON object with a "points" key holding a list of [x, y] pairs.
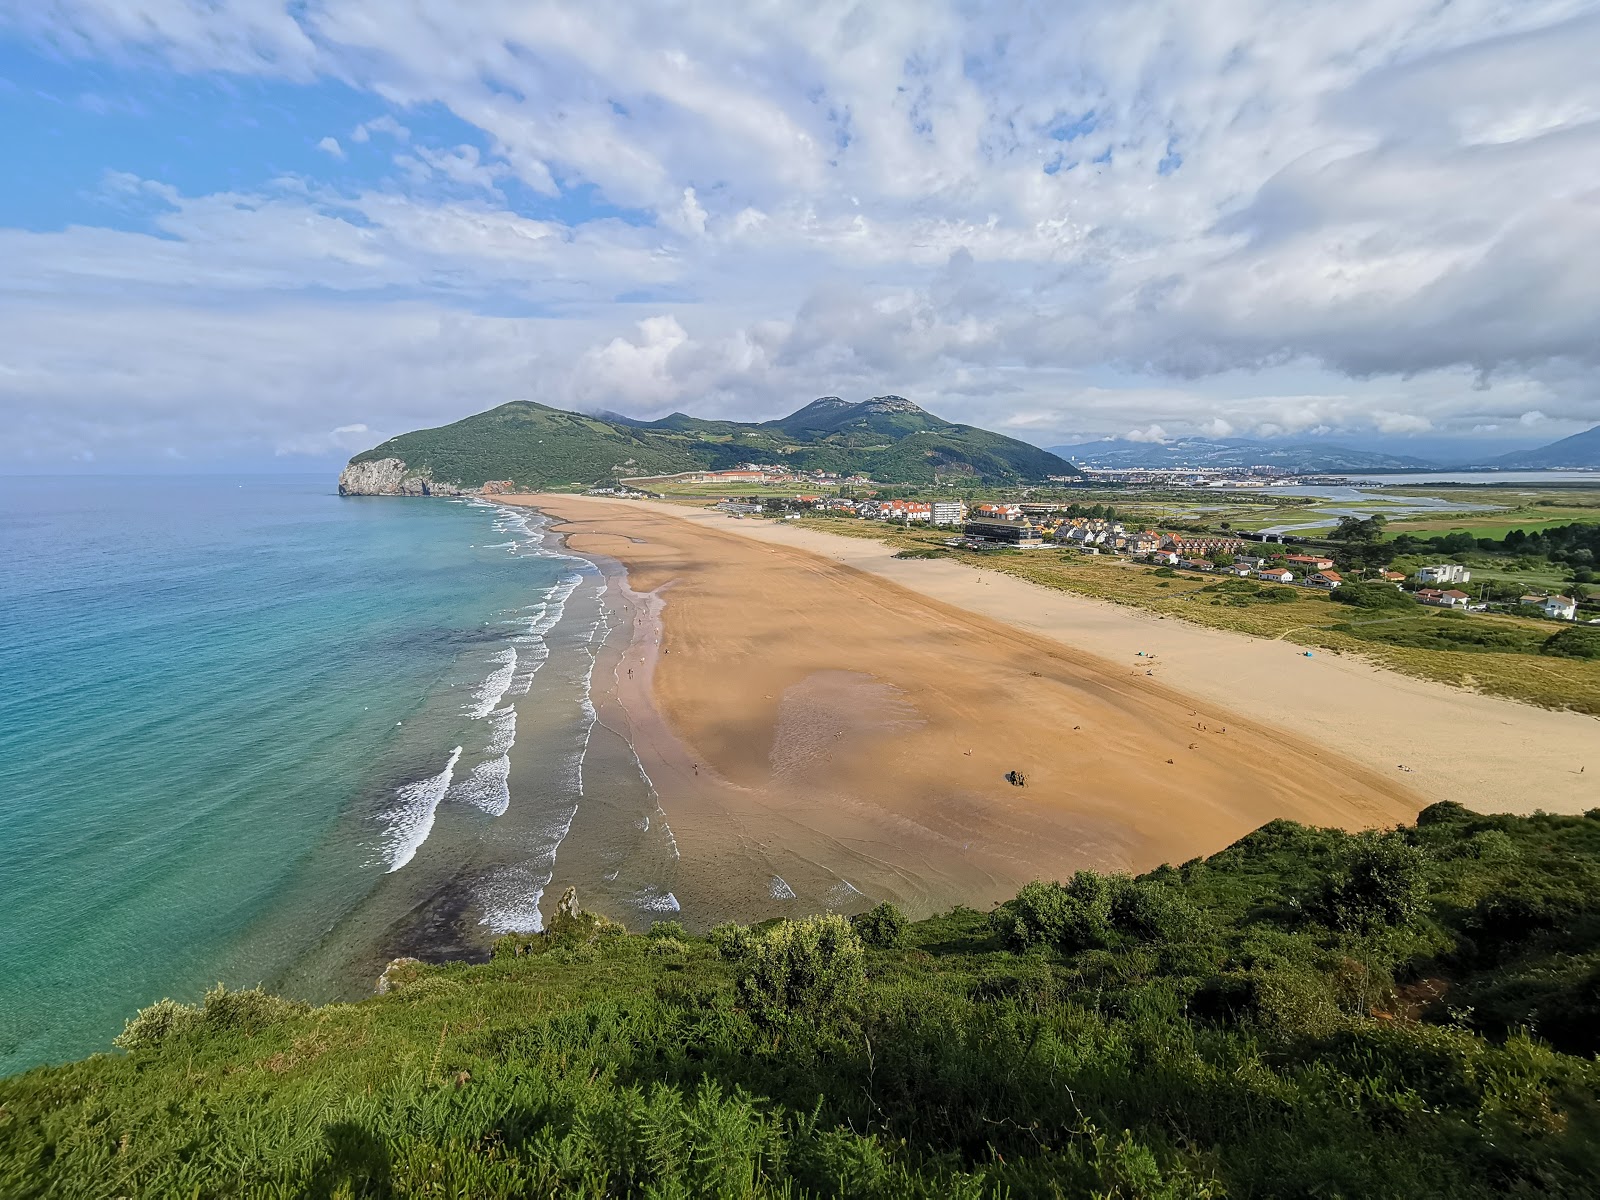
{"points": [[392, 477]]}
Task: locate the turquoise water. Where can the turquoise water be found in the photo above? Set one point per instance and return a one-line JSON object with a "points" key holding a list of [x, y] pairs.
{"points": [[251, 731]]}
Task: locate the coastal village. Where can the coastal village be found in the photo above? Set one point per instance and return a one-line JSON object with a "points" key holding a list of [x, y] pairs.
{"points": [[1029, 524]]}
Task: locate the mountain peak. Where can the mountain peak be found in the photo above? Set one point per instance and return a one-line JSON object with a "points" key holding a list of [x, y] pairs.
{"points": [[889, 404]]}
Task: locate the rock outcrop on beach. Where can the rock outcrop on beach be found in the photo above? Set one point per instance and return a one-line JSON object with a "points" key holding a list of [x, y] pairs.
{"points": [[391, 477]]}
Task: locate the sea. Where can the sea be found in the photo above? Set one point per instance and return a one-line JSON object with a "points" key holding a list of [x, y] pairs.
{"points": [[255, 732]]}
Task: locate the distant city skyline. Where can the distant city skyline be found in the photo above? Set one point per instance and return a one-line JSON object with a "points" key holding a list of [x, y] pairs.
{"points": [[265, 234]]}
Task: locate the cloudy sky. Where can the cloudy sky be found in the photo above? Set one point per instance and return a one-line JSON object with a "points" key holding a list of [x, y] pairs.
{"points": [[240, 231]]}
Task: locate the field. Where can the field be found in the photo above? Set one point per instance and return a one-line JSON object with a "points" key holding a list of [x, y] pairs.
{"points": [[1515, 508], [1309, 620], [1306, 1013]]}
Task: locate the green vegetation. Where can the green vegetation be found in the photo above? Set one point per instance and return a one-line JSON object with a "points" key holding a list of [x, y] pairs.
{"points": [[887, 438], [1578, 641], [1442, 633], [1373, 596], [1412, 1013]]}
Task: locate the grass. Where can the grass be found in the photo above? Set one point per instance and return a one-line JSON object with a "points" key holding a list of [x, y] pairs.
{"points": [[1306, 1013], [1312, 620]]}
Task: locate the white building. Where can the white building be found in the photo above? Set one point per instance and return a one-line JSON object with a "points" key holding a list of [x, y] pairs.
{"points": [[1562, 608], [1444, 573], [949, 512]]}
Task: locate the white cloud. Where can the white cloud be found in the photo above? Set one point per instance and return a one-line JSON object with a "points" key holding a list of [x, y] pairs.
{"points": [[1154, 434], [1229, 216]]}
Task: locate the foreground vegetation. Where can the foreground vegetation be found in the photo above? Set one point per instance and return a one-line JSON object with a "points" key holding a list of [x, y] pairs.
{"points": [[1307, 1013]]}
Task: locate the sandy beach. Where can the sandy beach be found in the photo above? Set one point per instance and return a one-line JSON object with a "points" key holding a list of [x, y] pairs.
{"points": [[822, 733]]}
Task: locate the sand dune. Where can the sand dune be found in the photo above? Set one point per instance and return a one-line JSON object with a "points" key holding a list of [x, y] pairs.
{"points": [[823, 725]]}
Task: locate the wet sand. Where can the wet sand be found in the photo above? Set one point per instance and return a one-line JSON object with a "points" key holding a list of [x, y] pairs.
{"points": [[821, 736]]}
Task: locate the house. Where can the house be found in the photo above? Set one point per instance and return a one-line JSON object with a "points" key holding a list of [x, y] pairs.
{"points": [[1561, 608], [1197, 564], [1196, 547], [999, 512], [1325, 579], [905, 510], [1450, 599], [1249, 561], [1394, 577], [1143, 543], [1276, 575], [1444, 573], [1310, 562]]}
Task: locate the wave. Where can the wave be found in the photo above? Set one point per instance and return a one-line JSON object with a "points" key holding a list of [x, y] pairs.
{"points": [[652, 899], [411, 819], [492, 690], [779, 889], [488, 787]]}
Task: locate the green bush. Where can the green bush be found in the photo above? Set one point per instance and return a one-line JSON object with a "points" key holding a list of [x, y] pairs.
{"points": [[1578, 641], [1373, 596], [1381, 879], [1071, 916], [244, 1011], [734, 942], [809, 968], [668, 929], [883, 927]]}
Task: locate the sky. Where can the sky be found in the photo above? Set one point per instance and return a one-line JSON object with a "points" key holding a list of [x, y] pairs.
{"points": [[274, 232]]}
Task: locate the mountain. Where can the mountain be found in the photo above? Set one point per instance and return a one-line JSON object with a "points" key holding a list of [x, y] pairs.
{"points": [[1234, 452], [1579, 450], [525, 445]]}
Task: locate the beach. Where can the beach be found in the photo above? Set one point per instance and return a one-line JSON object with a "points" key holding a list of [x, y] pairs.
{"points": [[821, 734]]}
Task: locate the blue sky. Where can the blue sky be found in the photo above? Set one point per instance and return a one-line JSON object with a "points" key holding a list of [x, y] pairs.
{"points": [[272, 232]]}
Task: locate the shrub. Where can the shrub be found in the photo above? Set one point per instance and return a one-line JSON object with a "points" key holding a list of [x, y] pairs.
{"points": [[246, 1011], [668, 929], [666, 947], [1164, 573], [1072, 916], [1154, 912], [1380, 880], [883, 926], [1580, 641], [733, 941], [1372, 595], [810, 968]]}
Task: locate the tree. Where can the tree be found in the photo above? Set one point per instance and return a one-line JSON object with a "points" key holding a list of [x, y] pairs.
{"points": [[1372, 595], [1363, 530]]}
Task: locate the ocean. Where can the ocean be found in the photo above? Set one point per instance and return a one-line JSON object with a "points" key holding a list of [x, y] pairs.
{"points": [[254, 732]]}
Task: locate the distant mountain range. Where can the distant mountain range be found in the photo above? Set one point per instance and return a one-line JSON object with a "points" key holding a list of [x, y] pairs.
{"points": [[1234, 452], [528, 445], [1579, 450]]}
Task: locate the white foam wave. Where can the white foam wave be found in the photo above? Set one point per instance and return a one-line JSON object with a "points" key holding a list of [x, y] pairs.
{"points": [[488, 786], [780, 890], [652, 899], [491, 691], [502, 730], [411, 819], [843, 892], [510, 899]]}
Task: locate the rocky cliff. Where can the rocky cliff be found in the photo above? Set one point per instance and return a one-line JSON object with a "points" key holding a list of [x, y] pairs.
{"points": [[391, 477]]}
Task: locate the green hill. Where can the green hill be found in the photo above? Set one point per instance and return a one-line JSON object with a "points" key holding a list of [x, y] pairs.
{"points": [[887, 438], [1307, 1013]]}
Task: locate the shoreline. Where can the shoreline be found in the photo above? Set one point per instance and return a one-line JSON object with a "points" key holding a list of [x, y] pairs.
{"points": [[819, 737]]}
